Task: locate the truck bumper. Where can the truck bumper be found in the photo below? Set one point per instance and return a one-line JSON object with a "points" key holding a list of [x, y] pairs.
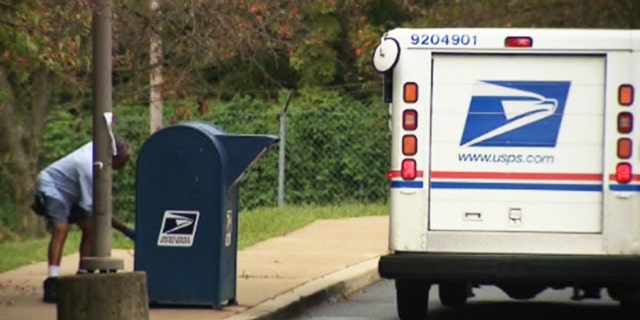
{"points": [[491, 268]]}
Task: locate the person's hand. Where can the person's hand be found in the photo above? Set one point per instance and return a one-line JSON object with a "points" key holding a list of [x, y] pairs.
{"points": [[131, 234]]}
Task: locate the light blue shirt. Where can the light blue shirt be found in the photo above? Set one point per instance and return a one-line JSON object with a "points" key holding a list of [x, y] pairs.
{"points": [[70, 179]]}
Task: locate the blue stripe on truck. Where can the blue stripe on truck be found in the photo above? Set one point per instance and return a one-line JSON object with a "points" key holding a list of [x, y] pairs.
{"points": [[407, 184], [624, 187]]}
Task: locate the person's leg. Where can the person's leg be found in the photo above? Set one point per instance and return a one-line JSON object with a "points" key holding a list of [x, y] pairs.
{"points": [[83, 219], [57, 221], [56, 215], [59, 232]]}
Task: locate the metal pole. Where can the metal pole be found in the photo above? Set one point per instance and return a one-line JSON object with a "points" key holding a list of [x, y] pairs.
{"points": [[102, 153], [281, 155]]}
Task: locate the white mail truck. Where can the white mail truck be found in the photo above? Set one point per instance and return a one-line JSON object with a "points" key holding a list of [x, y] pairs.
{"points": [[515, 163]]}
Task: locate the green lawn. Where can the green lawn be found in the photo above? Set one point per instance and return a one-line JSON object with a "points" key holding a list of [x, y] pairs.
{"points": [[254, 226]]}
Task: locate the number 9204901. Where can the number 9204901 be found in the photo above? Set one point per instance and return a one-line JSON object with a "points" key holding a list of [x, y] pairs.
{"points": [[444, 39]]}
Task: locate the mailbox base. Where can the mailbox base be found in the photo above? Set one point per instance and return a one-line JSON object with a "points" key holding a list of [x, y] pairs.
{"points": [[108, 296], [195, 305]]}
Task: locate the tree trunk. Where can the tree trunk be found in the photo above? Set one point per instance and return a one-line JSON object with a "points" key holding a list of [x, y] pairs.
{"points": [[156, 60], [30, 224], [22, 127]]}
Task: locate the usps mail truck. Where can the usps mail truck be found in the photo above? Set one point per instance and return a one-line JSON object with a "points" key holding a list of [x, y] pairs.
{"points": [[513, 163]]}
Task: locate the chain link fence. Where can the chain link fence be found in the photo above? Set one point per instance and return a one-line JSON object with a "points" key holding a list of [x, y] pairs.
{"points": [[328, 154]]}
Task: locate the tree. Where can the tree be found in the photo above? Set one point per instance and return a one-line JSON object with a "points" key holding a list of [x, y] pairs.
{"points": [[41, 42], [199, 39], [155, 61]]}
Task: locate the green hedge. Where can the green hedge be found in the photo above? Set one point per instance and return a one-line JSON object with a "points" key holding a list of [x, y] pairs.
{"points": [[337, 149]]}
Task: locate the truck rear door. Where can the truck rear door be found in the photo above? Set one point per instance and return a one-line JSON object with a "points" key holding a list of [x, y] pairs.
{"points": [[517, 143]]}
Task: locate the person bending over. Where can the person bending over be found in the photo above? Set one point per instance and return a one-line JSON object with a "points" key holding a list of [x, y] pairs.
{"points": [[64, 195]]}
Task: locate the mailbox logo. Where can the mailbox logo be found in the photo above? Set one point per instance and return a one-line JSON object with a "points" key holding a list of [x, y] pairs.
{"points": [[178, 228]]}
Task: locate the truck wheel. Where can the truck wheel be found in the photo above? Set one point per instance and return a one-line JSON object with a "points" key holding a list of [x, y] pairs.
{"points": [[453, 294], [412, 299]]}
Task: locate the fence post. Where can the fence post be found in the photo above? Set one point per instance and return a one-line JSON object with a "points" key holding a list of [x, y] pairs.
{"points": [[281, 155]]}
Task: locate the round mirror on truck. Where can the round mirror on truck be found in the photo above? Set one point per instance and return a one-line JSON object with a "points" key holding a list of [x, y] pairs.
{"points": [[386, 55]]}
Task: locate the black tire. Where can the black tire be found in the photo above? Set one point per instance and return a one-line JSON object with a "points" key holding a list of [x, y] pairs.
{"points": [[412, 299], [453, 294]]}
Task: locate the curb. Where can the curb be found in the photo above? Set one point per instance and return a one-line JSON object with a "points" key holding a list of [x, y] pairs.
{"points": [[332, 286]]}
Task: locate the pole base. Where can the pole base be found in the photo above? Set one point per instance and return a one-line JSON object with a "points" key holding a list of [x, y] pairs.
{"points": [[101, 264], [114, 296]]}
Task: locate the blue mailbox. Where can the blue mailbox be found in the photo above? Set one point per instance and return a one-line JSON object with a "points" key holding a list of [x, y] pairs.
{"points": [[187, 211]]}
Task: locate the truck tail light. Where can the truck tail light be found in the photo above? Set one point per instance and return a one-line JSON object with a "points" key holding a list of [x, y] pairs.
{"points": [[625, 122], [408, 171], [410, 92], [625, 95], [518, 42], [623, 172], [409, 145], [624, 148], [410, 119]]}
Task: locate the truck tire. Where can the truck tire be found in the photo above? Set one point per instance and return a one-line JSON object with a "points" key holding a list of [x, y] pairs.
{"points": [[412, 299], [453, 294]]}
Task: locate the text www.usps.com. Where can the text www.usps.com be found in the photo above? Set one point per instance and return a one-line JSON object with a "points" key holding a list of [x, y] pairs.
{"points": [[506, 158]]}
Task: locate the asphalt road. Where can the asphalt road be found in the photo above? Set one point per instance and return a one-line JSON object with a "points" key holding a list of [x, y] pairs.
{"points": [[377, 302]]}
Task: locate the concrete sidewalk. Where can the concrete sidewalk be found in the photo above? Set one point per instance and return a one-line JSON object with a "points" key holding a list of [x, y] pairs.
{"points": [[275, 277]]}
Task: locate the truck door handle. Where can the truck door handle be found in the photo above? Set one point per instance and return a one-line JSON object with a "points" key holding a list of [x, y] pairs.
{"points": [[473, 216]]}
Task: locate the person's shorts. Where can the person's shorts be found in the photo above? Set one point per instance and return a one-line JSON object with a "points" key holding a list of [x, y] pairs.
{"points": [[57, 211]]}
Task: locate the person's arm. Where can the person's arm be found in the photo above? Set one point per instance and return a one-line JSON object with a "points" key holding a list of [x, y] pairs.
{"points": [[86, 200], [118, 225]]}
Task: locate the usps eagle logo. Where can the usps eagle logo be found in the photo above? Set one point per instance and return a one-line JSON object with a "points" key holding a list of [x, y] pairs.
{"points": [[515, 114], [178, 228]]}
